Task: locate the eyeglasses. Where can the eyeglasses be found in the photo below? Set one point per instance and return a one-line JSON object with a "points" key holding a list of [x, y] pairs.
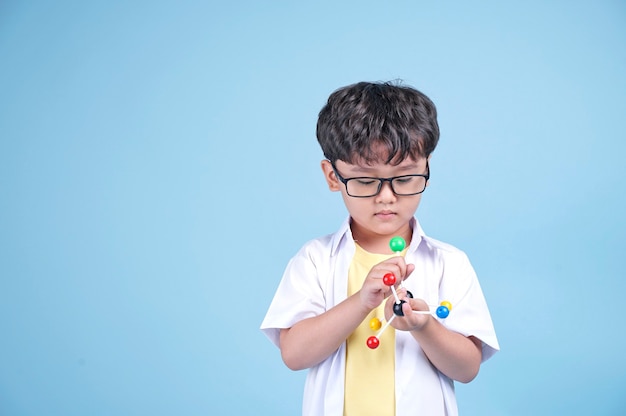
{"points": [[364, 187]]}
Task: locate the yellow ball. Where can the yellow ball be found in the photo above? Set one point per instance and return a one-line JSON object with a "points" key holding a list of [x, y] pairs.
{"points": [[446, 304], [375, 324]]}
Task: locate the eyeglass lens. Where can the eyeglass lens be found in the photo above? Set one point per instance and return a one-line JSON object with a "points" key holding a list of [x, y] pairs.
{"points": [[401, 185]]}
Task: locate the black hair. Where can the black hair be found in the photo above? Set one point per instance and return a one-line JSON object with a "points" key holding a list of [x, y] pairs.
{"points": [[361, 116]]}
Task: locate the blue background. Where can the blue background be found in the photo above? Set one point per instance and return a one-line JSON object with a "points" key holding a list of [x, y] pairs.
{"points": [[158, 168]]}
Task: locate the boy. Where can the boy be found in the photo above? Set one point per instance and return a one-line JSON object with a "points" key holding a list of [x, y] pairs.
{"points": [[377, 139]]}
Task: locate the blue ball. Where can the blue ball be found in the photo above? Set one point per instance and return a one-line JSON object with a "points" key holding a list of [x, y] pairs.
{"points": [[443, 312]]}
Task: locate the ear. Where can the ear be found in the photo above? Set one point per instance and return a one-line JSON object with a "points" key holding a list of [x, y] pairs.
{"points": [[329, 175], [428, 161]]}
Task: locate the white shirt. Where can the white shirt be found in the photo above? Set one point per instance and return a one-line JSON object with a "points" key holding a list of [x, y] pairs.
{"points": [[316, 279]]}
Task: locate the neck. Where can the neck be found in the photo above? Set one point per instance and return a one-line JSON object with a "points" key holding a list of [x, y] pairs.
{"points": [[378, 243]]}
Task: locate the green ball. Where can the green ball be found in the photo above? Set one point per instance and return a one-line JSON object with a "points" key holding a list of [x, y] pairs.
{"points": [[397, 244]]}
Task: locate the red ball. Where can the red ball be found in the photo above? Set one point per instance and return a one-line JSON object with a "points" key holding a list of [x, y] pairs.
{"points": [[373, 342], [389, 279]]}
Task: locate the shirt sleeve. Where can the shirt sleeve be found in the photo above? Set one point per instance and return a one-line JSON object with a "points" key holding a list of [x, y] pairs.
{"points": [[469, 315], [300, 295]]}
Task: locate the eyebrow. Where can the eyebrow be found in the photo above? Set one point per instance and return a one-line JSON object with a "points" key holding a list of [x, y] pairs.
{"points": [[358, 169]]}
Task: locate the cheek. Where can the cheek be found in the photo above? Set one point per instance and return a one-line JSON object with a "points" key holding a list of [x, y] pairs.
{"points": [[416, 202], [408, 205], [354, 205], [347, 200]]}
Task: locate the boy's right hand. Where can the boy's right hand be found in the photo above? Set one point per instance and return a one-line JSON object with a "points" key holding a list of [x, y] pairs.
{"points": [[374, 291]]}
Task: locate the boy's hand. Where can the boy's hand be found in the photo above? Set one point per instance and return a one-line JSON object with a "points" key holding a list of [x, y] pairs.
{"points": [[374, 291], [410, 321]]}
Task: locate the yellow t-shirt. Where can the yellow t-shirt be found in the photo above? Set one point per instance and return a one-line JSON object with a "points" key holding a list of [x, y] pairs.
{"points": [[370, 374]]}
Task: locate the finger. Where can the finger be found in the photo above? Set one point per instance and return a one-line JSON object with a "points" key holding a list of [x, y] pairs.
{"points": [[399, 262], [418, 305], [409, 269], [407, 309], [403, 293]]}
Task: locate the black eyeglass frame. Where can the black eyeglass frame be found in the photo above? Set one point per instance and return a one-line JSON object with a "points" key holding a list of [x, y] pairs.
{"points": [[381, 181]]}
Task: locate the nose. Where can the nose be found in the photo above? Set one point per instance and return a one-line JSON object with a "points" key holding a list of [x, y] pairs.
{"points": [[386, 194]]}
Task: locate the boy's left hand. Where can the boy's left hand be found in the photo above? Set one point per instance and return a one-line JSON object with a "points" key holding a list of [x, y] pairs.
{"points": [[410, 321]]}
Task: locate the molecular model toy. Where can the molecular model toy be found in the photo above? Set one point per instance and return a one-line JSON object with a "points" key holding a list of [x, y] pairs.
{"points": [[397, 244]]}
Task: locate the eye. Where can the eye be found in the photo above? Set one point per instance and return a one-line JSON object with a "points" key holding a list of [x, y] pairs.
{"points": [[404, 179], [366, 181]]}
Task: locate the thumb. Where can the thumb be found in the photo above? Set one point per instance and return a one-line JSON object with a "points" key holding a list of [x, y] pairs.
{"points": [[409, 270]]}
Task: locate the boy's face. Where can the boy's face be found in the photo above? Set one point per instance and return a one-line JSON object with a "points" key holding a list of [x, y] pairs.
{"points": [[376, 219]]}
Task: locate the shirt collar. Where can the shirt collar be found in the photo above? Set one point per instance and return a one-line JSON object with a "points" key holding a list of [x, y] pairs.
{"points": [[344, 236]]}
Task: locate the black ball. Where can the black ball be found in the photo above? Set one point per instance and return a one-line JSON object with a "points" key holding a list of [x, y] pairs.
{"points": [[397, 308]]}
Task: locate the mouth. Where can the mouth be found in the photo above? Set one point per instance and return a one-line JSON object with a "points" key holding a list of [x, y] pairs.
{"points": [[385, 214]]}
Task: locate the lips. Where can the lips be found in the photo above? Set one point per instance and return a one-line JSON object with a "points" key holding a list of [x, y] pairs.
{"points": [[386, 214]]}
